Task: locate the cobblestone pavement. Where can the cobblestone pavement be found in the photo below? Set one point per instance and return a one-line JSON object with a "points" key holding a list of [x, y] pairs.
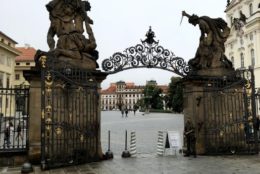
{"points": [[152, 164]]}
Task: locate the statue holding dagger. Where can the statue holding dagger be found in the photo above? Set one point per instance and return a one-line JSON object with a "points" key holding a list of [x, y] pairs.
{"points": [[210, 53]]}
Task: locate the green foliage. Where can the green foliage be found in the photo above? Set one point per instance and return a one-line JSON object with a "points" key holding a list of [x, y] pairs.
{"points": [[152, 97], [174, 99]]}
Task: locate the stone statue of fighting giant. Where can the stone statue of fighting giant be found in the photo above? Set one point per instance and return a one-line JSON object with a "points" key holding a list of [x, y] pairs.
{"points": [[67, 19]]}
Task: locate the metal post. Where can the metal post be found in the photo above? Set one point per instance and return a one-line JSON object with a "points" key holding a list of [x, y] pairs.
{"points": [[251, 69], [126, 140], [109, 140], [126, 153], [109, 154]]}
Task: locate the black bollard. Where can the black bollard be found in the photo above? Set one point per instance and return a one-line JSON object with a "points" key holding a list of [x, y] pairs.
{"points": [[126, 153], [109, 154]]}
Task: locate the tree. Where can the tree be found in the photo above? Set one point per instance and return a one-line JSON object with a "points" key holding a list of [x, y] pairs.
{"points": [[152, 97], [174, 99]]}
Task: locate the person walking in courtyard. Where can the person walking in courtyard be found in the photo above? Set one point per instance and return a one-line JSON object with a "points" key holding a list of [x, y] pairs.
{"points": [[122, 112], [19, 132], [7, 136], [189, 133], [126, 112]]}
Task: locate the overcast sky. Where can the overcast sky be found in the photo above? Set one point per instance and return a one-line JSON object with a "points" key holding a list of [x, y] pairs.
{"points": [[118, 24]]}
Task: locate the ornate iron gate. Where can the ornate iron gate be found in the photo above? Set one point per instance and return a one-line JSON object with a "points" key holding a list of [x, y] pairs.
{"points": [[69, 125], [230, 114]]}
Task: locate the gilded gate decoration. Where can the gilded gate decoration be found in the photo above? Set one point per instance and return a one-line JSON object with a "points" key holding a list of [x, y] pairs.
{"points": [[69, 128]]}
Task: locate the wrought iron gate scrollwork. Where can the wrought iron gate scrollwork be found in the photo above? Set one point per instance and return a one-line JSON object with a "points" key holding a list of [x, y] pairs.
{"points": [[70, 125], [149, 54]]}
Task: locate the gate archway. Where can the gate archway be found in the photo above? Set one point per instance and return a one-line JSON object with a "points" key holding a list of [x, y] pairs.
{"points": [[148, 54], [222, 106]]}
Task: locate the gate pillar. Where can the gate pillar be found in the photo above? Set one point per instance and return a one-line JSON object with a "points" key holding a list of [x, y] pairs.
{"points": [[99, 76], [194, 110], [34, 78]]}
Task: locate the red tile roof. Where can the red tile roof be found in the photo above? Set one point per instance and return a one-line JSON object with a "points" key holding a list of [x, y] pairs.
{"points": [[164, 88], [27, 54], [111, 89]]}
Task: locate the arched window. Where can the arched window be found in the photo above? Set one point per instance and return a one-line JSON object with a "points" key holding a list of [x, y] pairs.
{"points": [[252, 57], [242, 60], [250, 9]]}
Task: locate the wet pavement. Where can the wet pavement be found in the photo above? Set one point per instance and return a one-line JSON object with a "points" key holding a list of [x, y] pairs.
{"points": [[152, 164], [147, 162]]}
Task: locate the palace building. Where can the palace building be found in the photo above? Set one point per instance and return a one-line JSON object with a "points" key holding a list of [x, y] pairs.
{"points": [[243, 44], [125, 94]]}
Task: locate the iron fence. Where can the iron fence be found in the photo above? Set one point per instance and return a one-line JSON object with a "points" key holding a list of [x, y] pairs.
{"points": [[14, 116]]}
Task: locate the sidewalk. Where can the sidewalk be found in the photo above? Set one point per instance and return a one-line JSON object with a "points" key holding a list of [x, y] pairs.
{"points": [[152, 164]]}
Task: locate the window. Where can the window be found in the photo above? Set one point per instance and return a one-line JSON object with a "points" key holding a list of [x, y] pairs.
{"points": [[8, 61], [2, 40], [241, 41], [242, 60], [232, 60], [252, 57], [2, 59], [251, 36], [17, 76], [17, 63], [6, 102], [28, 63], [7, 81], [1, 80], [250, 9]]}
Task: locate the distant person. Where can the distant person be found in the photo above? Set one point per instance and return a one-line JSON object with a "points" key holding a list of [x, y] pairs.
{"points": [[126, 112], [7, 137], [134, 111], [19, 132], [122, 112]]}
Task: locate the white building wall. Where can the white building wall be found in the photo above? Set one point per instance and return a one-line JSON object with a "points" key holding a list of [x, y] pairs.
{"points": [[236, 44]]}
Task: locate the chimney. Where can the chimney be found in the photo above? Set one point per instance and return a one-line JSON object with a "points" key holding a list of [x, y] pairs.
{"points": [[27, 46]]}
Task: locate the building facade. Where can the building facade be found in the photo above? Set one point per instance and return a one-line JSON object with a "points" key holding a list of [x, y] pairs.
{"points": [[23, 62], [124, 95], [8, 52], [243, 44]]}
